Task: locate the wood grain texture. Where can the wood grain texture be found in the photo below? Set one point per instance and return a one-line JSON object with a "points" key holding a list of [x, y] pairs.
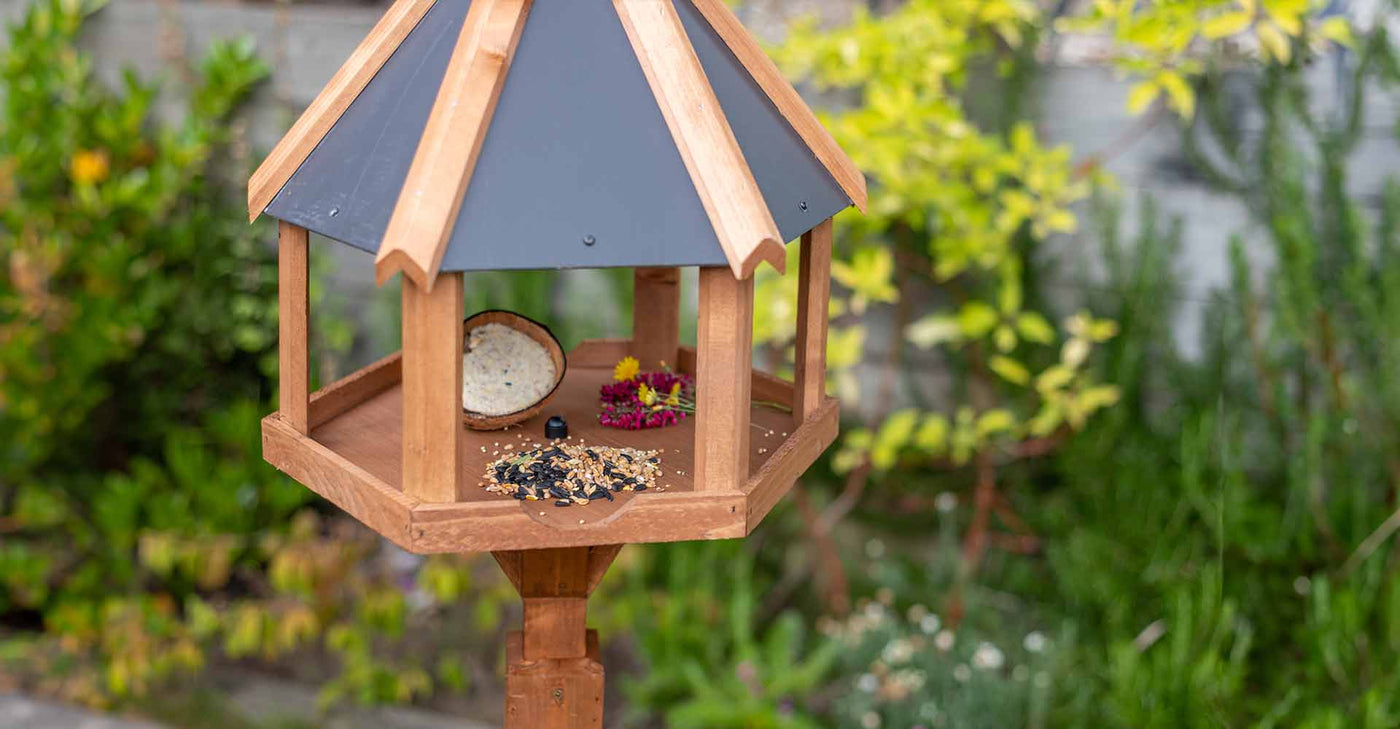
{"points": [[778, 474], [293, 316], [722, 177], [723, 381], [600, 558], [656, 316], [433, 433], [350, 391], [599, 352], [364, 497], [426, 213], [813, 297], [788, 102], [555, 627], [325, 110], [553, 694]]}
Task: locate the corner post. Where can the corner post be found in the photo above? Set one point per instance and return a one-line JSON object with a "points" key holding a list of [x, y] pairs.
{"points": [[724, 381], [433, 435], [554, 678], [293, 312], [656, 316], [813, 295]]}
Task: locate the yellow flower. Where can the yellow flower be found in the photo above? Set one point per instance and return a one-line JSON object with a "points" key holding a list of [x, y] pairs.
{"points": [[626, 369], [646, 394], [675, 398], [89, 166]]}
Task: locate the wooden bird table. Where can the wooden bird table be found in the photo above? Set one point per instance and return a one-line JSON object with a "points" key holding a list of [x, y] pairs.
{"points": [[500, 135]]}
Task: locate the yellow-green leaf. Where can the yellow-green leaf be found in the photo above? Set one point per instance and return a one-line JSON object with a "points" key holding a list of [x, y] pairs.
{"points": [[1035, 328], [932, 330], [933, 435], [1337, 30], [1009, 369], [1142, 95], [1053, 379], [1222, 26], [995, 421], [1274, 42], [976, 319], [1179, 93]]}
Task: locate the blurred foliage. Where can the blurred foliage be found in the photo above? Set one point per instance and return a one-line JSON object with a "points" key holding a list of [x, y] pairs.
{"points": [[956, 208], [138, 522]]}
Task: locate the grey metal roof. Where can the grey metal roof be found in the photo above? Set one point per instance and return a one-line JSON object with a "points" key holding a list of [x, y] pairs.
{"points": [[577, 149]]}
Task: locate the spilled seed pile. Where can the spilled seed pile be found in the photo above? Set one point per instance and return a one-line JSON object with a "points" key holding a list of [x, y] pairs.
{"points": [[570, 474], [504, 371]]}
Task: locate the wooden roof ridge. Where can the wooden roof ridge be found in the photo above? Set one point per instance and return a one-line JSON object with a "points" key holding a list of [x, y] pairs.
{"points": [[728, 191], [328, 106], [781, 92], [420, 227]]}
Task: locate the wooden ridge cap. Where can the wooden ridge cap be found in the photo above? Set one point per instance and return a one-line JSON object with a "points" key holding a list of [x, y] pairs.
{"points": [[421, 225], [722, 177]]}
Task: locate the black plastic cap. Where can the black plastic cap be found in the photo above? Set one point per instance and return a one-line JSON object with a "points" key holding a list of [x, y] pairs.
{"points": [[556, 427]]}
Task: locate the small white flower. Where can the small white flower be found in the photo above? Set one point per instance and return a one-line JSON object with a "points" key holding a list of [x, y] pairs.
{"points": [[1034, 642], [868, 683], [944, 640], [930, 624], [928, 710], [1042, 680], [1302, 585], [874, 549], [871, 720], [962, 673], [897, 652], [988, 657], [946, 502], [916, 613]]}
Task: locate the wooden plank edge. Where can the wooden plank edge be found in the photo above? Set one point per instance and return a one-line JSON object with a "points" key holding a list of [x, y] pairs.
{"points": [[350, 391], [766, 387], [420, 227], [599, 352], [777, 476], [504, 526], [784, 96], [700, 129], [328, 106], [364, 497]]}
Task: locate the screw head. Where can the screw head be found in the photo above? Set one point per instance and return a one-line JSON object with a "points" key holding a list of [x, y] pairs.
{"points": [[803, 206], [589, 240], [334, 212]]}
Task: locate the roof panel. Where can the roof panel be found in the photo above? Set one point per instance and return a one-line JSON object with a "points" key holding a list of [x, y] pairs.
{"points": [[578, 150]]}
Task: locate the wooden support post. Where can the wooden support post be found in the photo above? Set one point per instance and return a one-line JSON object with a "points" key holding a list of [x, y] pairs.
{"points": [[433, 432], [813, 295], [723, 381], [293, 311], [656, 316], [554, 679]]}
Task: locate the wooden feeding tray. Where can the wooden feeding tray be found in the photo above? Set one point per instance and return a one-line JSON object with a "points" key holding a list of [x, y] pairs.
{"points": [[353, 458]]}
